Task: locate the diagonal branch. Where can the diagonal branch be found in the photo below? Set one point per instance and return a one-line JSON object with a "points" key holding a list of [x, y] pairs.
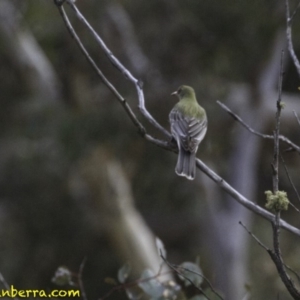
{"points": [[278, 260], [289, 20], [280, 265], [176, 271], [291, 182], [80, 282], [99, 72], [241, 199], [160, 143], [265, 136], [125, 72], [120, 98], [296, 116]]}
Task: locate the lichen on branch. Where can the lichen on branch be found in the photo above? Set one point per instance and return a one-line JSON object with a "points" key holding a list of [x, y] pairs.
{"points": [[278, 201]]}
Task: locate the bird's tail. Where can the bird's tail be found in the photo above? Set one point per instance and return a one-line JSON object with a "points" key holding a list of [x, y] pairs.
{"points": [[186, 164]]}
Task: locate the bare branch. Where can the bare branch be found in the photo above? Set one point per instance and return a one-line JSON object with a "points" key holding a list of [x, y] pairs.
{"points": [[6, 285], [176, 271], [80, 282], [289, 35], [294, 13], [296, 115], [121, 99], [165, 144], [241, 199], [278, 261], [292, 271], [291, 182], [275, 163], [125, 72], [276, 254], [256, 238], [206, 280], [124, 286], [4, 282], [265, 136]]}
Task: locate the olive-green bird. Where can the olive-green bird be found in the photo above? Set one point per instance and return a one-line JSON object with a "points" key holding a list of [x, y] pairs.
{"points": [[188, 126]]}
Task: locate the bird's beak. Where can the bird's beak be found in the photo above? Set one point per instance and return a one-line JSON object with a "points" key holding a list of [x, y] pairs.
{"points": [[174, 93]]}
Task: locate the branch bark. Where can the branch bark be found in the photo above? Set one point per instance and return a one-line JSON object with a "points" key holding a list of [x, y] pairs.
{"points": [[164, 144], [276, 255], [249, 128], [124, 71], [289, 20]]}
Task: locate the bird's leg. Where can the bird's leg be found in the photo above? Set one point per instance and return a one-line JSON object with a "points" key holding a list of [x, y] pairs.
{"points": [[173, 143]]}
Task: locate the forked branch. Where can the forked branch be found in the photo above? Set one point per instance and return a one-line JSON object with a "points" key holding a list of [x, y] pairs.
{"points": [[167, 145]]}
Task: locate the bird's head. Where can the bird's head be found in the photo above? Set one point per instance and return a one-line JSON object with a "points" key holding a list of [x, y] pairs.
{"points": [[184, 91]]}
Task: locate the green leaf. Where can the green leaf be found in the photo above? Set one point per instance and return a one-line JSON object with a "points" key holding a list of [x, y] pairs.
{"points": [[191, 273], [150, 285], [124, 272]]}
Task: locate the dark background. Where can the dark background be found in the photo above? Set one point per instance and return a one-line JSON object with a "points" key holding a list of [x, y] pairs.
{"points": [[60, 127]]}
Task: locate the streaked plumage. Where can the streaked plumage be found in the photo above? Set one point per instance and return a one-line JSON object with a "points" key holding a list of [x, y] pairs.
{"points": [[188, 126]]}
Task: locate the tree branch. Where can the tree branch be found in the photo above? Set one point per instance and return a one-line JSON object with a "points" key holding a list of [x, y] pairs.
{"points": [[243, 200], [289, 20], [80, 282], [277, 261], [276, 131], [163, 144], [296, 116], [291, 182], [125, 72], [276, 253], [265, 136], [176, 271], [120, 98]]}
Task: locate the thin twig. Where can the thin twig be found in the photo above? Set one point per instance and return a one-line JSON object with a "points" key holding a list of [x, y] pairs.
{"points": [[276, 253], [180, 274], [125, 72], [124, 286], [278, 261], [294, 13], [6, 285], [265, 136], [279, 264], [275, 164], [289, 35], [80, 282], [267, 249], [242, 199], [4, 282], [201, 275], [291, 182], [204, 168], [121, 99], [296, 115], [254, 237], [294, 207], [293, 271]]}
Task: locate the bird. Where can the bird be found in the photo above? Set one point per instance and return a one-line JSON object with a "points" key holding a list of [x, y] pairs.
{"points": [[188, 127]]}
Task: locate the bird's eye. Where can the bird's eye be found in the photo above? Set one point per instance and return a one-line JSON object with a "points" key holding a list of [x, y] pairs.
{"points": [[179, 90]]}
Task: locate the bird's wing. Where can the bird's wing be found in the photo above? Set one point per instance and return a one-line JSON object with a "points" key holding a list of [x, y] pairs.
{"points": [[188, 131]]}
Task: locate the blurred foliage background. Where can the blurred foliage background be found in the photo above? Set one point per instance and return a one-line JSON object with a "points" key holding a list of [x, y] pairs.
{"points": [[61, 127]]}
